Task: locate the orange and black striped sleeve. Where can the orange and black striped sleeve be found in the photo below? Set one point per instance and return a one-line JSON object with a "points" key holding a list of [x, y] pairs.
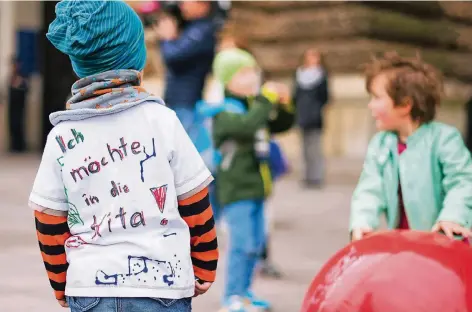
{"points": [[197, 213], [52, 232]]}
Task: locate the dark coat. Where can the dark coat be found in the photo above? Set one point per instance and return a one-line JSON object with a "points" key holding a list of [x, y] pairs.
{"points": [[188, 60], [309, 104]]}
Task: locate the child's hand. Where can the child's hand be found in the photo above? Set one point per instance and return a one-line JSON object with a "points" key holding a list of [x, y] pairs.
{"points": [[201, 288], [167, 28], [284, 94], [359, 233], [63, 303], [270, 90], [271, 86], [451, 228]]}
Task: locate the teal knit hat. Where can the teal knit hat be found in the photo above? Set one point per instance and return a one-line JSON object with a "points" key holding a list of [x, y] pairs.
{"points": [[228, 62], [98, 36]]}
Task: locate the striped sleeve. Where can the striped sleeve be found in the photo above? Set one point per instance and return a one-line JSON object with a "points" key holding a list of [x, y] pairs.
{"points": [[197, 213], [52, 232]]}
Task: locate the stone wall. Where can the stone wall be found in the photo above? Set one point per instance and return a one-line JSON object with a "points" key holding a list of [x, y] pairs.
{"points": [[350, 32]]}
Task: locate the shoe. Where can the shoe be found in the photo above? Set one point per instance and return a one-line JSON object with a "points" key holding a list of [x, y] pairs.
{"points": [[310, 184], [258, 303], [235, 304], [269, 270]]}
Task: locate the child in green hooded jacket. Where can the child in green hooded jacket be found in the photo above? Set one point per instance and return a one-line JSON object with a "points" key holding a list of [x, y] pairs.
{"points": [[241, 133]]}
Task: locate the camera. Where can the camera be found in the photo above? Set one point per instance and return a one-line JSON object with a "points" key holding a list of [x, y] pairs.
{"points": [[148, 20], [219, 12]]}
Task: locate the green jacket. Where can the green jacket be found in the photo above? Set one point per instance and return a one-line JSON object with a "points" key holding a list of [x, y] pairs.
{"points": [[245, 178], [435, 172]]}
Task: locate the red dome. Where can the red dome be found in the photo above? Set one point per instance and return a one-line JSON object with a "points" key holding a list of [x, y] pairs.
{"points": [[395, 271]]}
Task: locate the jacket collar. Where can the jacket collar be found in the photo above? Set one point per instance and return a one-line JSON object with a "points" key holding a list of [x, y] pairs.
{"points": [[391, 142]]}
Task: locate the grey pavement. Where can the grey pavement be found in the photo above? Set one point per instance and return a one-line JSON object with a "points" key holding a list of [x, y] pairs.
{"points": [[309, 227]]}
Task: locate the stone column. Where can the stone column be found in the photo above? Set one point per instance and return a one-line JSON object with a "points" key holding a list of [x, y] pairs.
{"points": [[28, 17]]}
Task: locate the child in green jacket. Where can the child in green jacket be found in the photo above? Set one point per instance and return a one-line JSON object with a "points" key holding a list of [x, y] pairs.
{"points": [[417, 172], [241, 134]]}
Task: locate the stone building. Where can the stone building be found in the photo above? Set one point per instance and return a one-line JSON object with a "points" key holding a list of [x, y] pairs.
{"points": [[347, 32], [350, 32]]}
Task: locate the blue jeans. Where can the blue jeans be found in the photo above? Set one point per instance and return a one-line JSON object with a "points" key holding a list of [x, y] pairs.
{"points": [[246, 225], [96, 304], [214, 201]]}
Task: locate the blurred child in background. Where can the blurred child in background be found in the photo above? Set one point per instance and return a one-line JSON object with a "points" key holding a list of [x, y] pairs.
{"points": [[278, 164], [241, 135]]}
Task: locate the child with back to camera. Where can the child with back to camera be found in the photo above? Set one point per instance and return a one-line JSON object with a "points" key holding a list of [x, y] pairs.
{"points": [[120, 200]]}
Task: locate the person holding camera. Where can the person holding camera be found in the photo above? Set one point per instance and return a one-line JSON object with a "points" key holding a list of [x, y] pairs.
{"points": [[188, 54], [17, 92]]}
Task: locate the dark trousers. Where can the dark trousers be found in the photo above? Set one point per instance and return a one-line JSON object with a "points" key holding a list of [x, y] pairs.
{"points": [[16, 119], [468, 135], [265, 252]]}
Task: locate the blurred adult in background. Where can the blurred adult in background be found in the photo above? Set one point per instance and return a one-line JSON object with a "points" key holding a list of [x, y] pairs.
{"points": [[310, 97], [17, 92], [187, 54]]}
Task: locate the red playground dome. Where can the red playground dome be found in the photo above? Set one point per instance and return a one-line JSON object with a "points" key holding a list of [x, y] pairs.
{"points": [[395, 271]]}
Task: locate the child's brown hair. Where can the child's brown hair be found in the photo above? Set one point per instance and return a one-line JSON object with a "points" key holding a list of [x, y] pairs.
{"points": [[409, 79]]}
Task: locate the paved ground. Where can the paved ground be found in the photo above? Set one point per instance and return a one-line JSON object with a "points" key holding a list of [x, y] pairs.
{"points": [[309, 227]]}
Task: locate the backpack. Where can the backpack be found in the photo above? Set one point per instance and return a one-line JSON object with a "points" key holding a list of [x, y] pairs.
{"points": [[203, 136], [203, 128]]}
